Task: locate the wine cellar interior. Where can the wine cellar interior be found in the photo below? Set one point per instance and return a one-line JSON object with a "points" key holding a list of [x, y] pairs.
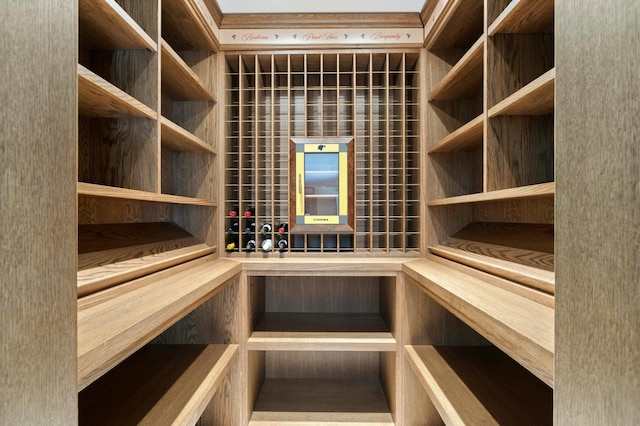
{"points": [[371, 97], [219, 214]]}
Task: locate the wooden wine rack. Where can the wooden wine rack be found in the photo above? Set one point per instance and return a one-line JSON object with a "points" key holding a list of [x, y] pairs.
{"points": [[372, 97]]}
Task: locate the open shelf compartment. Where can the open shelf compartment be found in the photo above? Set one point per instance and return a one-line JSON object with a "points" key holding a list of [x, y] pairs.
{"points": [[159, 384]]}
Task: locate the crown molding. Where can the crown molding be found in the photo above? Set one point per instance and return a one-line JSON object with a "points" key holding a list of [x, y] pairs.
{"points": [[321, 20], [215, 11], [427, 10]]}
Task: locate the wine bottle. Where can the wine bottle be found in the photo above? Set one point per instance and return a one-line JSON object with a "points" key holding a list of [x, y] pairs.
{"points": [[266, 245], [232, 242], [251, 244], [250, 228], [283, 244], [283, 228], [266, 228], [234, 212], [249, 212], [235, 227]]}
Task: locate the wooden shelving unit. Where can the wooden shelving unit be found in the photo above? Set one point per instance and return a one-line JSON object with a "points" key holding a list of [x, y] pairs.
{"points": [[147, 243], [160, 384], [315, 340], [114, 323], [371, 97], [490, 192], [479, 385]]}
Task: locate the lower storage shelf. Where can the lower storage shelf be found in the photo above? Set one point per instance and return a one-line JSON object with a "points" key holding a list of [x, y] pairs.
{"points": [[322, 331], [480, 385], [319, 401], [158, 385]]}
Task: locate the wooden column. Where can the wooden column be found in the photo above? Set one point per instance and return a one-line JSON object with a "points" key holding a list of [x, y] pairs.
{"points": [[597, 362], [38, 144]]}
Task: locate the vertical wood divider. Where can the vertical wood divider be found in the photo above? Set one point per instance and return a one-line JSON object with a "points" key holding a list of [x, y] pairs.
{"points": [[387, 131], [370, 247]]}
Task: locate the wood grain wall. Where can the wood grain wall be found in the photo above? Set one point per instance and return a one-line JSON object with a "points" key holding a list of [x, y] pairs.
{"points": [[38, 47], [597, 363]]}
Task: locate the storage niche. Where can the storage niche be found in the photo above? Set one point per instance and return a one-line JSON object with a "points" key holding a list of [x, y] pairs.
{"points": [[322, 349], [370, 97]]}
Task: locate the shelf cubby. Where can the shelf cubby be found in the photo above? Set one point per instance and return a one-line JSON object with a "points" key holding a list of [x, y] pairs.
{"points": [[524, 192], [524, 16], [116, 322], [479, 385], [536, 98], [110, 254], [159, 384], [321, 401], [179, 81], [104, 24], [519, 252], [176, 138], [188, 25], [521, 328], [103, 191], [466, 137], [454, 24], [465, 77], [100, 99]]}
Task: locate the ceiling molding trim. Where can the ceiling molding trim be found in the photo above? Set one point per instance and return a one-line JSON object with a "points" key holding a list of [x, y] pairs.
{"points": [[321, 20], [215, 11], [426, 12], [325, 37]]}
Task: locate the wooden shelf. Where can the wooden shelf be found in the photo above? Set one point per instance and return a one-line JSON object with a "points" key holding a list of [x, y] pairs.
{"points": [[530, 191], [519, 252], [310, 266], [114, 253], [480, 385], [467, 137], [454, 23], [525, 16], [159, 384], [523, 329], [178, 139], [465, 78], [93, 190], [105, 25], [318, 402], [179, 81], [116, 322], [188, 25], [536, 98], [99, 98], [322, 331]]}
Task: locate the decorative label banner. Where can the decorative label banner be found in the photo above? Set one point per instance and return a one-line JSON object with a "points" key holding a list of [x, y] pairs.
{"points": [[335, 36]]}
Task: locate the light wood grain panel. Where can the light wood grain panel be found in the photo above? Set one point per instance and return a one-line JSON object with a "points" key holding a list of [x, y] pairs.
{"points": [[515, 60], [115, 323], [321, 402], [598, 214], [455, 173], [99, 98], [525, 16], [480, 385], [160, 384], [106, 25], [521, 328], [176, 138], [310, 266], [38, 148], [418, 408], [519, 151], [178, 80], [536, 98], [94, 210], [321, 341], [529, 191], [336, 365], [320, 20], [538, 296], [466, 137], [88, 189], [464, 78], [187, 25], [527, 210], [455, 23]]}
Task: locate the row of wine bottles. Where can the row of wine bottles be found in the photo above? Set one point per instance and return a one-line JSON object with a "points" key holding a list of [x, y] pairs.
{"points": [[248, 238]]}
